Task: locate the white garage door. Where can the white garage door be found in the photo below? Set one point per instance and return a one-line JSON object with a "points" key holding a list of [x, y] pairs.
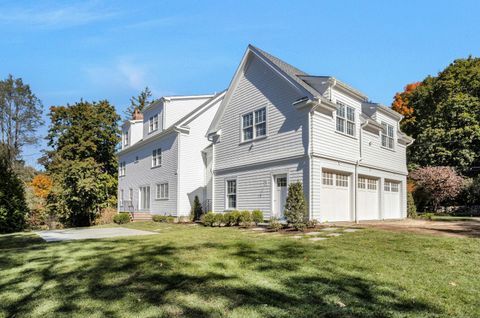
{"points": [[392, 207], [368, 202], [335, 197]]}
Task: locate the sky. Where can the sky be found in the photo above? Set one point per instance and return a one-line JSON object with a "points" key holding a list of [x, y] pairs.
{"points": [[95, 50]]}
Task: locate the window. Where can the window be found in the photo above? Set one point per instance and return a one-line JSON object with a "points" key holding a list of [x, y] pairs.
{"points": [[345, 122], [372, 184], [156, 157], [394, 187], [144, 198], [153, 123], [122, 169], [125, 138], [387, 136], [231, 194], [162, 191], [130, 195], [327, 178], [254, 124], [362, 183], [121, 197], [386, 186], [341, 180]]}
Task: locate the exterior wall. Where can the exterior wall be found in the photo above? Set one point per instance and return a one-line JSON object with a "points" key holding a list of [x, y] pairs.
{"points": [[192, 170], [319, 164], [286, 133], [176, 109], [254, 184], [140, 173]]}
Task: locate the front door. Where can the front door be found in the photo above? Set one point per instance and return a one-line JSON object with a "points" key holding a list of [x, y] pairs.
{"points": [[279, 194], [144, 198]]}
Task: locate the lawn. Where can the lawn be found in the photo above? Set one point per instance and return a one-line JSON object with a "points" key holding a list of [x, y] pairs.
{"points": [[226, 272]]}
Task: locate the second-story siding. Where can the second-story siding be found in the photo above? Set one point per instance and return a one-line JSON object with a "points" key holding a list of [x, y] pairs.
{"points": [[258, 87]]}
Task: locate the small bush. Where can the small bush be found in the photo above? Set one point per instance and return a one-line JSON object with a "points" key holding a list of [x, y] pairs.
{"points": [[159, 218], [299, 226], [122, 218], [427, 216], [245, 218], [106, 216], [312, 223], [170, 219], [219, 219], [257, 216], [231, 218], [295, 207], [275, 225], [411, 208], [209, 219], [197, 209]]}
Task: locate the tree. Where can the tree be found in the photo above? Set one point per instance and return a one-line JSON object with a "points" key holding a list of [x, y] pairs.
{"points": [[82, 161], [197, 209], [435, 185], [37, 192], [20, 115], [13, 207], [139, 102], [295, 207], [401, 104], [446, 118]]}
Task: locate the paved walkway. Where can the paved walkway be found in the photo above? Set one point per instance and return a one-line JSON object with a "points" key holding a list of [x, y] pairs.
{"points": [[89, 233]]}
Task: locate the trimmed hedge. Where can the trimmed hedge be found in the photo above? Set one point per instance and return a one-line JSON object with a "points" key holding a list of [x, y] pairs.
{"points": [[257, 216], [122, 218]]}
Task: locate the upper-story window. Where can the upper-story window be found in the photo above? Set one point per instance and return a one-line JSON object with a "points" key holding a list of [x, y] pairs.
{"points": [[125, 138], [156, 157], [387, 136], [153, 123], [122, 169], [345, 119], [254, 124]]}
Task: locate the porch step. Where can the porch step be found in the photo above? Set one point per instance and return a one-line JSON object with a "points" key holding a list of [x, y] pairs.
{"points": [[141, 216]]}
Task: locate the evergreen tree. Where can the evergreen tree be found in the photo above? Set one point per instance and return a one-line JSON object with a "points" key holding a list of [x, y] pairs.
{"points": [[295, 207], [197, 209], [139, 102]]}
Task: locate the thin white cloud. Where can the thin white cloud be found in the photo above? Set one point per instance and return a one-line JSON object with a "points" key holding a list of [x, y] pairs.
{"points": [[56, 16]]}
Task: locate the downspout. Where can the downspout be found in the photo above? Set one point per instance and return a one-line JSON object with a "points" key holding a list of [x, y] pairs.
{"points": [[310, 141], [356, 171]]}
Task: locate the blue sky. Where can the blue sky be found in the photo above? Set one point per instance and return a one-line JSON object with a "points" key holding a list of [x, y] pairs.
{"points": [[96, 50]]}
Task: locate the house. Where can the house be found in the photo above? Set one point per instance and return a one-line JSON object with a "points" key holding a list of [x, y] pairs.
{"points": [[274, 125], [164, 156], [277, 125]]}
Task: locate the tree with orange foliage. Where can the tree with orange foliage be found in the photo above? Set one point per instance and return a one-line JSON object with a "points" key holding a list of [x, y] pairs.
{"points": [[42, 185], [401, 104]]}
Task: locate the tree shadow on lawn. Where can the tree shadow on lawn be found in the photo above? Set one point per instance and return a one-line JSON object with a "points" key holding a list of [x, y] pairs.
{"points": [[148, 278]]}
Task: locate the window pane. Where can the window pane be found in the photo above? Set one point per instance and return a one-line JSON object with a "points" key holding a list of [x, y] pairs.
{"points": [[350, 128], [248, 133], [351, 113], [390, 143], [261, 129], [247, 120], [340, 110], [340, 124], [260, 116], [361, 183], [341, 180], [390, 130]]}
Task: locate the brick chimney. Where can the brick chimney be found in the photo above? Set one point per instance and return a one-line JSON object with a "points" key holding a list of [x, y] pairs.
{"points": [[137, 115]]}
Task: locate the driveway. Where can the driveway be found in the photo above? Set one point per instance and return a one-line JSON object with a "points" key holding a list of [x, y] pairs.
{"points": [[89, 233]]}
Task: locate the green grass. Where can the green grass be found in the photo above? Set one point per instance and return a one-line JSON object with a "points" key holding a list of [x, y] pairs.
{"points": [[454, 218], [226, 272]]}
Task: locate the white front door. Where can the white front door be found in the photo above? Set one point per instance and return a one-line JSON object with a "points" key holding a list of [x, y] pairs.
{"points": [[279, 194]]}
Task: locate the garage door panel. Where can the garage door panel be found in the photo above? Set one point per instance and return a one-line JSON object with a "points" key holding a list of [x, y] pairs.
{"points": [[392, 204], [335, 197], [368, 199]]}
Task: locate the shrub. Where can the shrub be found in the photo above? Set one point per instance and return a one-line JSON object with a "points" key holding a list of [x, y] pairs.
{"points": [[274, 224], [197, 209], [106, 216], [295, 207], [159, 218], [209, 219], [427, 216], [245, 218], [257, 216], [231, 218], [312, 223], [171, 219], [121, 218], [299, 226], [219, 219], [411, 208], [184, 219]]}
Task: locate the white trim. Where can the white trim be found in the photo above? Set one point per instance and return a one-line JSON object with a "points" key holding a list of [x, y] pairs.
{"points": [[273, 174], [253, 126], [227, 208], [159, 197]]}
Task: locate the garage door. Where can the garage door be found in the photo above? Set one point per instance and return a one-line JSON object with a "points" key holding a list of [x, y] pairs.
{"points": [[392, 200], [368, 202], [335, 197]]}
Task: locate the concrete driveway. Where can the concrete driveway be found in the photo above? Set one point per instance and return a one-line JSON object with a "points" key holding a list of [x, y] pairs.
{"points": [[89, 233]]}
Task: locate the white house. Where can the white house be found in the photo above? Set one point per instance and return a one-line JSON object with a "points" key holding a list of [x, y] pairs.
{"points": [[164, 156], [277, 125], [274, 125]]}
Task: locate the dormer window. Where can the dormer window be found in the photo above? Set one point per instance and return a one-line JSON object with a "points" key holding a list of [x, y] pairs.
{"points": [[153, 123], [387, 136], [345, 119], [254, 124], [125, 138]]}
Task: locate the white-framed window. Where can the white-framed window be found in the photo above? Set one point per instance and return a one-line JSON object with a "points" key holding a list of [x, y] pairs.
{"points": [[387, 136], [121, 197], [341, 180], [327, 178], [161, 191], [153, 123], [372, 184], [254, 124], [231, 194], [386, 186], [345, 119], [394, 186], [125, 138], [362, 183], [144, 198], [122, 169], [156, 157]]}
